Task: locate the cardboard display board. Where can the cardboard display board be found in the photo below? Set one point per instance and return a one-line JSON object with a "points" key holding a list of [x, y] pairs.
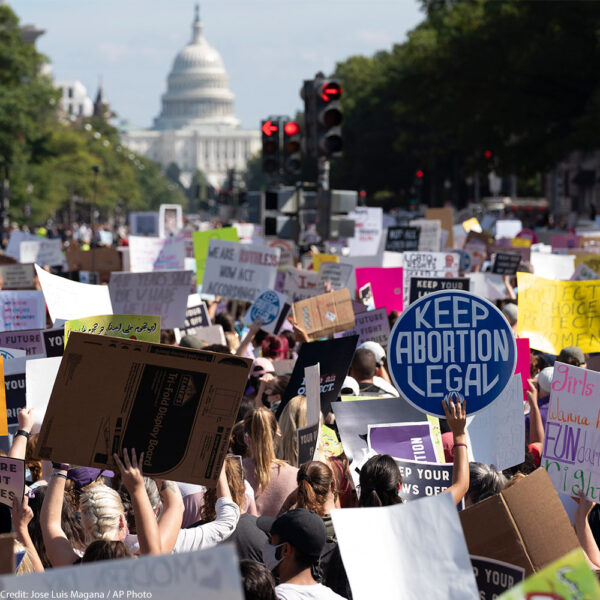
{"points": [[201, 242], [156, 254], [325, 314], [170, 220], [22, 310], [446, 217], [386, 285], [132, 327], [12, 479], [495, 577], [17, 277], [102, 260], [422, 286], [7, 557], [300, 284], [506, 263], [513, 526], [271, 308], [370, 326], [401, 239], [42, 252], [163, 293], [176, 405]]}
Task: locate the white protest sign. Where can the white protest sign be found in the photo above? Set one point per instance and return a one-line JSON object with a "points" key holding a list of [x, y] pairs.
{"points": [[156, 254], [69, 300], [300, 284], [430, 238], [10, 353], [17, 277], [163, 293], [487, 285], [337, 273], [287, 249], [41, 252], [239, 271], [508, 228], [271, 308], [211, 334], [196, 315], [427, 264], [370, 326], [413, 550], [40, 375], [368, 231], [497, 433], [209, 574], [22, 310], [12, 479], [170, 220], [553, 266], [143, 223], [308, 437], [584, 273], [13, 248]]}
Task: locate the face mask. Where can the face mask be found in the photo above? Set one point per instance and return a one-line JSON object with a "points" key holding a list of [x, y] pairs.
{"points": [[269, 556]]}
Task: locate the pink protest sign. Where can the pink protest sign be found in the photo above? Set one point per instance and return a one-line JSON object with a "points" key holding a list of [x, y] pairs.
{"points": [[386, 285], [523, 362], [564, 240]]}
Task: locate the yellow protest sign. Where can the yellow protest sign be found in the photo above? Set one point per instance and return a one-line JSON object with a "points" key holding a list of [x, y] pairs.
{"points": [[319, 259], [554, 314], [520, 243], [591, 260], [472, 225], [132, 327], [3, 413]]}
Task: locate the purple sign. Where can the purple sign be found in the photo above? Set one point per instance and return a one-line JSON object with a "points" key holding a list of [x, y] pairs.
{"points": [[408, 441]]}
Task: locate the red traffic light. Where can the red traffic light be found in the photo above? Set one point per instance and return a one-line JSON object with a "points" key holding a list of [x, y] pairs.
{"points": [[419, 174], [363, 193], [269, 128], [488, 154], [291, 128], [331, 90]]}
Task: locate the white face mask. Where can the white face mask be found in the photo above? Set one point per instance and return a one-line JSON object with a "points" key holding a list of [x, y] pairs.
{"points": [[269, 558]]}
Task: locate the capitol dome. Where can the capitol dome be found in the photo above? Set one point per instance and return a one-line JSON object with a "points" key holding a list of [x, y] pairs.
{"points": [[198, 93]]}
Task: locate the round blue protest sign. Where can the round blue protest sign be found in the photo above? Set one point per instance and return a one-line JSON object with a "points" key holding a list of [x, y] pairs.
{"points": [[451, 341], [266, 307]]}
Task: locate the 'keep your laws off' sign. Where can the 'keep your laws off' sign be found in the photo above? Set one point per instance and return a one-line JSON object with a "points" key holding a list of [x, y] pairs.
{"points": [[451, 341]]}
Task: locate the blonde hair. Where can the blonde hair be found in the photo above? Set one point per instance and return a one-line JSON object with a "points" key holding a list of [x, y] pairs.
{"points": [[235, 479], [26, 565], [293, 417], [101, 510]]}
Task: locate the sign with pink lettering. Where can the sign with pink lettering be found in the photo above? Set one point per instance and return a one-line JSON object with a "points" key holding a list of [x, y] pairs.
{"points": [[571, 452], [386, 285]]}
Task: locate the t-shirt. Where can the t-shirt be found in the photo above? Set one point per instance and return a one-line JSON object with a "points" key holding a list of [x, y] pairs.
{"points": [[248, 538], [281, 484], [292, 591]]}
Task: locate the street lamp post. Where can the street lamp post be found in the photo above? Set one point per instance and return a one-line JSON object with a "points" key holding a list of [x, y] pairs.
{"points": [[96, 170]]}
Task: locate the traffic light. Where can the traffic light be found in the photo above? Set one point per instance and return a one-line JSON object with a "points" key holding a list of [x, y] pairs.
{"points": [[328, 109], [419, 174], [307, 93], [270, 145], [292, 158]]}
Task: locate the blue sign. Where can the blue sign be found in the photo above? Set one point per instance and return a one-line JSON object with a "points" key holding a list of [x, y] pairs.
{"points": [[266, 308], [451, 341]]}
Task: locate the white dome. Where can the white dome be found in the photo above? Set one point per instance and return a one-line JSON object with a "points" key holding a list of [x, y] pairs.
{"points": [[198, 91]]}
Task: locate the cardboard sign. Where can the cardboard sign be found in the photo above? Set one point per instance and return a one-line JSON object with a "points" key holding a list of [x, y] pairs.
{"points": [[201, 242], [506, 263], [176, 405], [40, 375], [300, 284], [132, 327], [42, 252], [370, 326], [239, 271], [451, 341], [170, 220], [338, 274], [495, 577], [446, 217], [423, 286], [555, 314], [524, 253], [17, 277], [325, 314], [488, 285], [584, 273], [430, 234], [163, 293], [73, 300], [386, 286], [105, 260], [22, 310], [334, 357], [401, 239], [421, 479], [408, 441], [368, 223], [12, 479], [7, 556], [156, 254], [271, 308], [143, 223]]}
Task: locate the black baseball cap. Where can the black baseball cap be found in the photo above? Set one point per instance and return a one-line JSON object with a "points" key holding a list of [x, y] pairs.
{"points": [[303, 529]]}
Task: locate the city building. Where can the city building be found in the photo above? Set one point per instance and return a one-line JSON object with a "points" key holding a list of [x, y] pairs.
{"points": [[197, 128], [75, 99]]}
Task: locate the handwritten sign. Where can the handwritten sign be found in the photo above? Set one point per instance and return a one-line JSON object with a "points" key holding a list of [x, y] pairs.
{"points": [[196, 316], [430, 234], [428, 264], [42, 252], [321, 258], [22, 310], [132, 327], [400, 239], [300, 284], [506, 263], [201, 241], [17, 277], [422, 286], [368, 231], [12, 479], [156, 254], [337, 273]]}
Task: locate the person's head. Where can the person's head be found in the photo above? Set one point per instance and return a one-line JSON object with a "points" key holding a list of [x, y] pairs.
{"points": [[296, 540], [544, 380], [293, 417], [572, 355], [380, 482], [226, 321], [246, 405], [105, 550], [363, 366], [376, 349], [274, 389], [484, 481], [167, 336], [237, 444], [316, 485], [510, 311], [32, 462], [260, 428], [102, 513], [275, 347], [235, 480], [257, 580], [192, 341], [288, 334]]}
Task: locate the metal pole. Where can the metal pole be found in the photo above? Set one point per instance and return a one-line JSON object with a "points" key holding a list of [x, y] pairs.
{"points": [[95, 169]]}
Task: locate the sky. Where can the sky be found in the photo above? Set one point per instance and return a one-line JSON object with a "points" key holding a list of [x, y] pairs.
{"points": [[268, 46]]}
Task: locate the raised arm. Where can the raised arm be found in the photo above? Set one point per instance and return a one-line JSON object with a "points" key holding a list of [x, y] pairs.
{"points": [[584, 532], [21, 515], [456, 415], [19, 445], [536, 426], [171, 517], [249, 338]]}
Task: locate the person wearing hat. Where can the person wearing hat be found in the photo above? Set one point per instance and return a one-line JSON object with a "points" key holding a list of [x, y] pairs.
{"points": [[296, 541], [381, 373], [572, 355], [363, 369], [511, 311]]}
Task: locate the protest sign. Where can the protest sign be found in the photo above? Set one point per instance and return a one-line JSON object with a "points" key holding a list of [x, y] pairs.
{"points": [[446, 217], [564, 240], [584, 273], [44, 343], [337, 273], [365, 295], [271, 308], [506, 263], [201, 242], [523, 363], [308, 437], [430, 234], [300, 284], [287, 249], [3, 405], [370, 326], [386, 286], [143, 223], [423, 286], [499, 246], [53, 341], [334, 357], [17, 277], [400, 239], [320, 258], [394, 552], [555, 314], [196, 316], [572, 438], [421, 479], [163, 293], [7, 556], [42, 252], [14, 387], [408, 441], [495, 577], [553, 266], [105, 260], [591, 260], [40, 375], [22, 310], [133, 327], [368, 223], [170, 220], [8, 353], [428, 264], [73, 300], [12, 480], [477, 252], [325, 314], [487, 285], [209, 574], [177, 405], [451, 341], [156, 254], [239, 271], [13, 248], [508, 228]]}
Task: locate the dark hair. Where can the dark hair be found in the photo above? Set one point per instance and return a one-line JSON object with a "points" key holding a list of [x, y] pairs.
{"points": [[364, 365], [314, 482], [237, 445], [484, 481], [279, 384], [167, 336], [217, 348], [246, 405], [105, 550], [275, 347], [257, 580], [289, 336], [226, 321], [379, 481]]}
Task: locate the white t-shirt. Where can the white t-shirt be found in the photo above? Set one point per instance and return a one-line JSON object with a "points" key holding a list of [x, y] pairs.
{"points": [[292, 591]]}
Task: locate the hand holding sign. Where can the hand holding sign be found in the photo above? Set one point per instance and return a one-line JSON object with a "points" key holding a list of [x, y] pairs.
{"points": [[21, 515], [456, 414]]}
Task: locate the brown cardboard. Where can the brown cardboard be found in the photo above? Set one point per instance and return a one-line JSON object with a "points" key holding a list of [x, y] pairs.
{"points": [[102, 260], [446, 216], [284, 367], [7, 553], [525, 525], [326, 314], [177, 405]]}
